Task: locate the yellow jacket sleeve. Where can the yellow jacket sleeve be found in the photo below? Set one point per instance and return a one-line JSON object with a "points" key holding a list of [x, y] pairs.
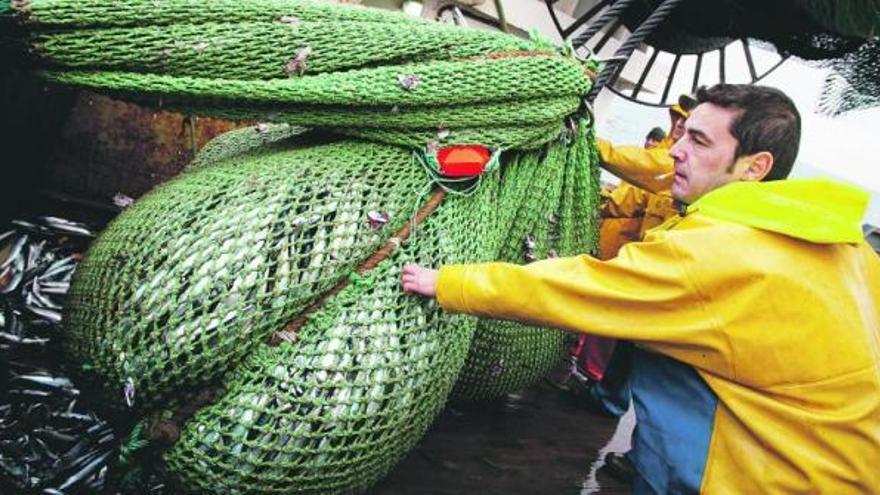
{"points": [[651, 169], [644, 294], [625, 201]]}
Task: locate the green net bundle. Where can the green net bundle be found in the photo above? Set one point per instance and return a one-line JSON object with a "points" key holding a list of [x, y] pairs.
{"points": [[378, 75], [186, 289], [244, 246]]}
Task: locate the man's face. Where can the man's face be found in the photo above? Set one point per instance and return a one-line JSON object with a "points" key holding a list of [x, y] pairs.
{"points": [[677, 129], [704, 156], [651, 143]]}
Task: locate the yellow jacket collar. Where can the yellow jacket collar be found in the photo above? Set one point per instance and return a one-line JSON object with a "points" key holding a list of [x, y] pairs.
{"points": [[816, 210]]}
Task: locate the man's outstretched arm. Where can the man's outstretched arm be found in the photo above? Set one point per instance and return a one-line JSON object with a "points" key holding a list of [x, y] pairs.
{"points": [[645, 294]]}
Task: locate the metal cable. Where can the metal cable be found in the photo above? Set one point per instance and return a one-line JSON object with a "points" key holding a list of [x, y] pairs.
{"points": [[612, 68], [614, 11]]}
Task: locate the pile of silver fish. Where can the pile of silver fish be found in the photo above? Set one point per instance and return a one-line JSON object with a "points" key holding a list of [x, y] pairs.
{"points": [[50, 442]]}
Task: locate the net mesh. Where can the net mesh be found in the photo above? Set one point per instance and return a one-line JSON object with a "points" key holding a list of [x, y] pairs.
{"points": [[198, 272], [465, 93], [333, 411], [186, 288], [121, 13], [261, 50]]}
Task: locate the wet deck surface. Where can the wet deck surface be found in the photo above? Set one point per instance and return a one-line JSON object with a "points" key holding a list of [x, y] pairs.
{"points": [[536, 442]]}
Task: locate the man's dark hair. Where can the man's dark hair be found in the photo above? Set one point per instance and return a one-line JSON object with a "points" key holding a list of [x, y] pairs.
{"points": [[656, 134], [767, 121]]}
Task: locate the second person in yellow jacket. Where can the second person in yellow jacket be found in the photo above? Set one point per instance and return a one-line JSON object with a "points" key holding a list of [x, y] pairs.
{"points": [[628, 211], [642, 200]]}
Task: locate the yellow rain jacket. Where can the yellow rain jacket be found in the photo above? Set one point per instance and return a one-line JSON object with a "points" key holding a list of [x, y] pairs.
{"points": [[630, 211], [649, 169], [627, 213], [757, 318], [622, 215]]}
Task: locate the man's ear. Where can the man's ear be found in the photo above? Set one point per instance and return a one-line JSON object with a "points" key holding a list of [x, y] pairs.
{"points": [[759, 165]]}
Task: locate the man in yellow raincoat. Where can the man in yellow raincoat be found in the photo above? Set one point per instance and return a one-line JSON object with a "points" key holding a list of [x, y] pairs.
{"points": [[756, 313]]}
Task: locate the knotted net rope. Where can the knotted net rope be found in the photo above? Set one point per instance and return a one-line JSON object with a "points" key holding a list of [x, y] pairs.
{"points": [[186, 289]]}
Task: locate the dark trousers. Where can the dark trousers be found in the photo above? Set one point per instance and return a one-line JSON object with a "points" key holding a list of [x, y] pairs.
{"points": [[614, 391]]}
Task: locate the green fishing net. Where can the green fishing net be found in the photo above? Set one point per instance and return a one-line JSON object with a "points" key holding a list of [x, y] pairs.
{"points": [[243, 246], [378, 75], [335, 409], [268, 231], [557, 219], [189, 288]]}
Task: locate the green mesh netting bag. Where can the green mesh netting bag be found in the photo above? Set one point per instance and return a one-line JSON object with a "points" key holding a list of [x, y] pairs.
{"points": [[261, 235], [267, 273], [330, 411]]}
